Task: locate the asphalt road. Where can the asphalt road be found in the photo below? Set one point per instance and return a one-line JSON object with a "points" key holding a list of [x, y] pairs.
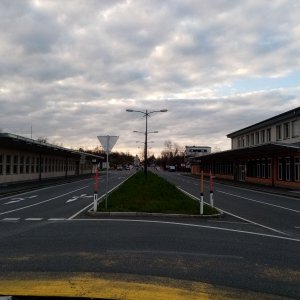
{"points": [[277, 213], [45, 234]]}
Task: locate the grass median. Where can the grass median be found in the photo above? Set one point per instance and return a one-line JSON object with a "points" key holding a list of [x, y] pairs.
{"points": [[151, 195]]}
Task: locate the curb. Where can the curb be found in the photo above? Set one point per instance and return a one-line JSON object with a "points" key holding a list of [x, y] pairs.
{"points": [[145, 214]]}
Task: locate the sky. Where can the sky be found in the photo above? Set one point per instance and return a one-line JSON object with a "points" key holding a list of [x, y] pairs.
{"points": [[70, 69]]}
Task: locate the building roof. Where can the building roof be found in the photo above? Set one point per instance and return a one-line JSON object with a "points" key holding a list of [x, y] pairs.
{"points": [[261, 150], [9, 139], [278, 118]]}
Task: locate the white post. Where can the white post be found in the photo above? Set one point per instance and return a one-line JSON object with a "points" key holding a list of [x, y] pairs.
{"points": [[95, 202], [212, 199]]}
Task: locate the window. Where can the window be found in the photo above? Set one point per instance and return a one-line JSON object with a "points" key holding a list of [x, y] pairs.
{"points": [[16, 164], [256, 138], [262, 136], [8, 165], [258, 169], [263, 169], [37, 166], [46, 165], [286, 131], [269, 168], [32, 164], [239, 143], [295, 128], [297, 168], [21, 164], [27, 164], [278, 133], [247, 140], [280, 168], [252, 139], [269, 135], [1, 164], [288, 169]]}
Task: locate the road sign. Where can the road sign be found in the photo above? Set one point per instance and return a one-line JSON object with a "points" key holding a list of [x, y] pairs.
{"points": [[107, 141]]}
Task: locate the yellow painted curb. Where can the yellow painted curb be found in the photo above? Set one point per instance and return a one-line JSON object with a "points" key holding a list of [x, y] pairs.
{"points": [[118, 286]]}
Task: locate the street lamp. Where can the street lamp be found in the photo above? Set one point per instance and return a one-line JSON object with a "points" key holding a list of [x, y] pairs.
{"points": [[146, 114]]}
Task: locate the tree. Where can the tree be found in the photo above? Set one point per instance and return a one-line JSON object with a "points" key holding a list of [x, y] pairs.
{"points": [[173, 154]]}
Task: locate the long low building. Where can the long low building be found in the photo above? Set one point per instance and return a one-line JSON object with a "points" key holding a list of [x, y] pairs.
{"points": [[266, 153], [24, 159]]}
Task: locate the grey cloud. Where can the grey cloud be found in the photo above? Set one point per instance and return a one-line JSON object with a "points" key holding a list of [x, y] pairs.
{"points": [[72, 68]]}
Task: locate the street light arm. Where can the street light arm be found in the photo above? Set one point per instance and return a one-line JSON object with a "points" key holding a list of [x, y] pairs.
{"points": [[131, 110]]}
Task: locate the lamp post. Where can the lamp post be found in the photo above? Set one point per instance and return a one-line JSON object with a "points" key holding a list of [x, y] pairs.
{"points": [[146, 114]]}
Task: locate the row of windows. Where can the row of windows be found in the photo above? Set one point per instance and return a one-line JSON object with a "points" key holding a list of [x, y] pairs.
{"points": [[255, 138], [284, 131], [288, 168], [15, 164], [224, 168], [288, 130]]}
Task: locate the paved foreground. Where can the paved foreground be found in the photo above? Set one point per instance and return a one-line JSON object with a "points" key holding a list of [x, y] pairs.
{"points": [[51, 248]]}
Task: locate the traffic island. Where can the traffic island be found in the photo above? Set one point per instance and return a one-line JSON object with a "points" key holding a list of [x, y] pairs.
{"points": [[151, 196]]}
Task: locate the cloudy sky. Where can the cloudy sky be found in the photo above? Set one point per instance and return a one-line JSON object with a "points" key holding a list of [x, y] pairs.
{"points": [[70, 69]]}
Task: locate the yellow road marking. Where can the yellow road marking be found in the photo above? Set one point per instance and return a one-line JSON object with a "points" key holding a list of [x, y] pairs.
{"points": [[117, 286]]}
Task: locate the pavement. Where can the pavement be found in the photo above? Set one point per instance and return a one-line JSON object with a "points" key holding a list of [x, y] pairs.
{"points": [[7, 189], [252, 186]]}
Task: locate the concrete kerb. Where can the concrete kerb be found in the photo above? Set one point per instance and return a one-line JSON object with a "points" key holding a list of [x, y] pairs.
{"points": [[144, 214]]}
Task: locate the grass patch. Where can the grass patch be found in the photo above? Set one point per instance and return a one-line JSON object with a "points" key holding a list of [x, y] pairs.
{"points": [[154, 195]]}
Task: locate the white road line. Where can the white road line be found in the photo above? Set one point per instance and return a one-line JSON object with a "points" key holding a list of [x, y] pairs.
{"points": [[21, 208], [56, 219], [188, 225], [297, 227], [85, 208], [227, 212], [10, 219], [247, 189], [33, 219], [259, 192], [45, 188], [260, 202]]}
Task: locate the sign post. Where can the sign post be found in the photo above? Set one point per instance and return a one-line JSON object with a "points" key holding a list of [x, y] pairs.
{"points": [[201, 196], [211, 189], [107, 142], [96, 191]]}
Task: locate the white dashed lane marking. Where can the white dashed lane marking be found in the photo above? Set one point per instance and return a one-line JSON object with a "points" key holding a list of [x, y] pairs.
{"points": [[10, 219]]}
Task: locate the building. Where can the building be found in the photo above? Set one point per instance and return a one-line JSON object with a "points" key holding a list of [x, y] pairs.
{"points": [[24, 159], [194, 151], [267, 153]]}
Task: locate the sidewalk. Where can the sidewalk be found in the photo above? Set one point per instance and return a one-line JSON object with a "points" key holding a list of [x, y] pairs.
{"points": [[7, 189], [253, 186]]}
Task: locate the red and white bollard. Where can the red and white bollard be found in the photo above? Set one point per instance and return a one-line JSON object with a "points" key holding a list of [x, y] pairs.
{"points": [[96, 190], [211, 196]]}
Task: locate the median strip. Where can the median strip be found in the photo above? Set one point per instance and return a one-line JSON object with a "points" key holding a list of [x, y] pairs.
{"points": [[151, 196]]}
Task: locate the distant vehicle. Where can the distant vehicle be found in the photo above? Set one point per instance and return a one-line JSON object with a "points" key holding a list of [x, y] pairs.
{"points": [[119, 168], [172, 168]]}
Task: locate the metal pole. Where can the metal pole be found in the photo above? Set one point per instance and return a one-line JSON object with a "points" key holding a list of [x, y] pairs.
{"points": [[146, 140], [201, 197], [211, 190], [106, 188], [96, 191]]}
